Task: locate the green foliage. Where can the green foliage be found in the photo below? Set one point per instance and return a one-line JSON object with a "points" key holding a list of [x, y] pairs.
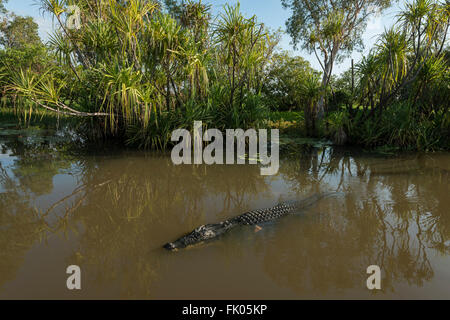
{"points": [[34, 58], [290, 123], [400, 126], [249, 114], [139, 69], [2, 6], [282, 83], [408, 57], [286, 116], [311, 90], [157, 134], [243, 49], [324, 23], [401, 87], [19, 32], [327, 29]]}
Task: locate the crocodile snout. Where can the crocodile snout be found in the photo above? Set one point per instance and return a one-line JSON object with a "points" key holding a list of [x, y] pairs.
{"points": [[169, 246]]}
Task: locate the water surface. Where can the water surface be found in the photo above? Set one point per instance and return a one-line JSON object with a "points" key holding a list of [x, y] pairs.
{"points": [[111, 213]]}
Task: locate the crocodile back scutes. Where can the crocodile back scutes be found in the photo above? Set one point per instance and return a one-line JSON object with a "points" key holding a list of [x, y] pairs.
{"points": [[266, 215]]}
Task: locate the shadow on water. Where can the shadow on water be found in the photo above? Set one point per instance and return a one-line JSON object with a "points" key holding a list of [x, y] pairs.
{"points": [[110, 214]]}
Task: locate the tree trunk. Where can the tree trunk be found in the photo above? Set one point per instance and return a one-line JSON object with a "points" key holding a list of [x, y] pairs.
{"points": [[321, 105]]}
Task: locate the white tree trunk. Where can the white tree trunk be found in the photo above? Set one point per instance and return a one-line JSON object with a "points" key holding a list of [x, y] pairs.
{"points": [[321, 104]]}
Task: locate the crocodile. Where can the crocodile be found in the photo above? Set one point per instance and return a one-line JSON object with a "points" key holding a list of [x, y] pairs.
{"points": [[213, 231]]}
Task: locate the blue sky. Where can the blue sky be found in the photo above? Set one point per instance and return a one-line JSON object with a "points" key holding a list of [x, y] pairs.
{"points": [[270, 12]]}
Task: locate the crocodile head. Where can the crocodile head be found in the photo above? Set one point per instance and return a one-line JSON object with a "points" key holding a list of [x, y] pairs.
{"points": [[201, 234]]}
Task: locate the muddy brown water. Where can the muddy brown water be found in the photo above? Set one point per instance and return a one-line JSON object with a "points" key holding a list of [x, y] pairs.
{"points": [[111, 214]]}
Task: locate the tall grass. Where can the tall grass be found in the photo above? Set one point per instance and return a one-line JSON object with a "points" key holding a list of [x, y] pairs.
{"points": [[399, 126]]}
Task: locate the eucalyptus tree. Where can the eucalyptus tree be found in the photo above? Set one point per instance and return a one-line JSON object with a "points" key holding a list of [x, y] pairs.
{"points": [[284, 76], [331, 29], [173, 7], [2, 6], [19, 32]]}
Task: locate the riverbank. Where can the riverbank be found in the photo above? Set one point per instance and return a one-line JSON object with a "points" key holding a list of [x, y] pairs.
{"points": [[387, 136], [396, 130]]}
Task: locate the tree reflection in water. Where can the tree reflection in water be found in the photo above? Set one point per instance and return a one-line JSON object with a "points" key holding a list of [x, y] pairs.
{"points": [[122, 208]]}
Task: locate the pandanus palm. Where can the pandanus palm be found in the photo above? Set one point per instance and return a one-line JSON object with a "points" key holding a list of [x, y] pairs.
{"points": [[121, 87], [134, 65], [195, 19], [165, 37], [405, 53], [392, 55], [369, 78], [239, 48], [129, 21], [311, 90]]}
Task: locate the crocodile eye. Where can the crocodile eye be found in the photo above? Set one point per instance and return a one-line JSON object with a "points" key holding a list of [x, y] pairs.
{"points": [[200, 228]]}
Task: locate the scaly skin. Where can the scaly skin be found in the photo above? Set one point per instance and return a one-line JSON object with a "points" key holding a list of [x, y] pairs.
{"points": [[213, 231]]}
